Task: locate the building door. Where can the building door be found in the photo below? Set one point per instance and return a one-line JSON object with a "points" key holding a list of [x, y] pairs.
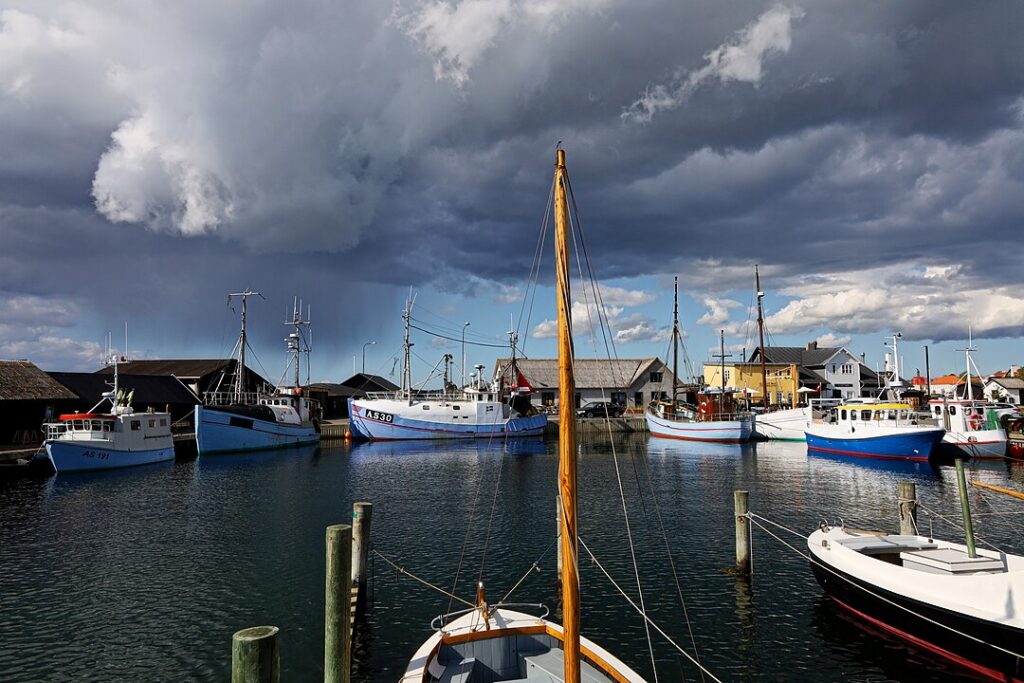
{"points": [[638, 399]]}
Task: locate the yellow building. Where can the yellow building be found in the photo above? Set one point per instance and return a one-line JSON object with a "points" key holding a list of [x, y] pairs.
{"points": [[783, 381]]}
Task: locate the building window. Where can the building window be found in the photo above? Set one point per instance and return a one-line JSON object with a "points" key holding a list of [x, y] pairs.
{"points": [[638, 399], [547, 398], [725, 376], [847, 368], [778, 398], [577, 399], [619, 397], [655, 377]]}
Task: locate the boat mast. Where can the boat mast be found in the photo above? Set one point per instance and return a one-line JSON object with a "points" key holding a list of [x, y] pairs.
{"points": [[675, 342], [566, 430], [760, 334], [967, 353], [240, 370], [721, 400], [296, 341], [407, 360]]}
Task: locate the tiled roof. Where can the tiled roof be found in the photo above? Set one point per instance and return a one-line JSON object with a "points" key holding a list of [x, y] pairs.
{"points": [[589, 373], [946, 380], [799, 355]]}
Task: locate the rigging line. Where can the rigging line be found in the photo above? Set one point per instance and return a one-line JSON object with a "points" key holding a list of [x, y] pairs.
{"points": [[465, 540], [458, 339], [872, 593], [955, 524], [403, 570], [490, 520], [671, 562], [535, 266], [608, 423], [646, 618], [534, 566]]}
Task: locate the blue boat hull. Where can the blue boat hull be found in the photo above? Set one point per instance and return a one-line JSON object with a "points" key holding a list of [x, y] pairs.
{"points": [[401, 428], [223, 432], [84, 457], [904, 446]]}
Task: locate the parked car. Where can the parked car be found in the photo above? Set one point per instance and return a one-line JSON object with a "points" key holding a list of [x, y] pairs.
{"points": [[601, 409]]}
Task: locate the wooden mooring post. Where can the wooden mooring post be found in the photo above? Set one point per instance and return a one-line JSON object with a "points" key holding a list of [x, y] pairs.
{"points": [[362, 515], [907, 498], [338, 605], [741, 505], [255, 655]]}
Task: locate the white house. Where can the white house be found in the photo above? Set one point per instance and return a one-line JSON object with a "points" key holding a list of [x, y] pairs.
{"points": [[1005, 389], [835, 369]]}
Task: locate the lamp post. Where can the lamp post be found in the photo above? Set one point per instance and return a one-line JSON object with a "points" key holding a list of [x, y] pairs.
{"points": [[464, 326], [369, 343]]}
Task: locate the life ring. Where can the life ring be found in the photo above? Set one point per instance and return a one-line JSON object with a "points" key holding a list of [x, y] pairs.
{"points": [[975, 422]]}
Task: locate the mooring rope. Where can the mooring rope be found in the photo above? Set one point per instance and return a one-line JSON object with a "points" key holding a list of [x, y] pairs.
{"points": [[870, 592], [646, 618], [534, 567], [403, 570]]}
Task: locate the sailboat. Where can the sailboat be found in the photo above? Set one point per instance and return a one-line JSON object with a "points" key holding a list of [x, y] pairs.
{"points": [[248, 421], [496, 643], [704, 414]]}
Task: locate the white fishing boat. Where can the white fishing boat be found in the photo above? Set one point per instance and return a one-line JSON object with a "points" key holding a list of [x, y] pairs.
{"points": [[240, 420], [973, 427], [956, 601], [791, 424], [119, 437], [491, 643], [480, 409]]}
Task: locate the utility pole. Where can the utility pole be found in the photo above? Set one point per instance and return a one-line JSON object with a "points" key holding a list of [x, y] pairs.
{"points": [[760, 334]]}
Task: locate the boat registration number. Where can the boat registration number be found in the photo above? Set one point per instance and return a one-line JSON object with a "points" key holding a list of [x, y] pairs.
{"points": [[379, 416], [99, 455]]}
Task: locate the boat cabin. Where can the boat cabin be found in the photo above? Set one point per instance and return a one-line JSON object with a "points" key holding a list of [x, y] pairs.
{"points": [[126, 427], [877, 414], [964, 416]]}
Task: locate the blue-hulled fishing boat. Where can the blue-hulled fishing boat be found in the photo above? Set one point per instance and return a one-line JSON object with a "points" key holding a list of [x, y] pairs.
{"points": [[873, 430]]}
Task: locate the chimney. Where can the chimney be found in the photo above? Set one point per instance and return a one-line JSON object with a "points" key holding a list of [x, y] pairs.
{"points": [[812, 346], [862, 357]]}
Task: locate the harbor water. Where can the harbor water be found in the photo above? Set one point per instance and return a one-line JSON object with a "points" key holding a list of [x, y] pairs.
{"points": [[143, 574]]}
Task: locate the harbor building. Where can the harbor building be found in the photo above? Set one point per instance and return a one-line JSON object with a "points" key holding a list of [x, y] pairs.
{"points": [[149, 392], [334, 397], [633, 382], [783, 381], [1005, 389], [201, 376], [824, 372], [28, 397]]}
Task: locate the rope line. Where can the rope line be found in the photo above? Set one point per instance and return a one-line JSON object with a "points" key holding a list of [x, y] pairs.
{"points": [[956, 525], [403, 570], [646, 618], [534, 566]]}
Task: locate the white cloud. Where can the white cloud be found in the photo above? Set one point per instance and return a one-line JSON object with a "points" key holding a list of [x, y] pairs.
{"points": [[717, 314], [830, 339], [32, 327], [625, 328], [741, 59]]}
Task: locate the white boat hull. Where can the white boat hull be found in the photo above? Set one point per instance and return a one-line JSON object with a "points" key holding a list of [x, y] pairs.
{"points": [[783, 425], [82, 456], [720, 431]]}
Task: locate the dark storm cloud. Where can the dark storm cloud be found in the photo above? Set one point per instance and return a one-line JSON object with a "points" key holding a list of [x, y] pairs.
{"points": [[400, 144]]}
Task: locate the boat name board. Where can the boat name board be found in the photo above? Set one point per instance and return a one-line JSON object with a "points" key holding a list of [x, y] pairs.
{"points": [[379, 416]]}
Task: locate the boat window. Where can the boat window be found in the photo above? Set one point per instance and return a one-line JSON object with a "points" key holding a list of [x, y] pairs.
{"points": [[163, 421], [456, 407], [938, 410], [136, 425], [152, 423], [842, 414], [903, 415], [426, 407], [891, 415], [106, 426], [952, 410], [865, 415]]}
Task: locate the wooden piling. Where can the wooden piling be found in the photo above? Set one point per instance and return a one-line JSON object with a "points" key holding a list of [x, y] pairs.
{"points": [[907, 498], [255, 655], [740, 503], [337, 607], [362, 514]]}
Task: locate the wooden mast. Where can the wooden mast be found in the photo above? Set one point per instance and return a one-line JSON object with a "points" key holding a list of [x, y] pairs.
{"points": [[566, 430], [760, 334], [675, 342]]}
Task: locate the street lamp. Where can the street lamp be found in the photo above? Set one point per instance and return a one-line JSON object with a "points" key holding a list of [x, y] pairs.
{"points": [[369, 343], [464, 326]]}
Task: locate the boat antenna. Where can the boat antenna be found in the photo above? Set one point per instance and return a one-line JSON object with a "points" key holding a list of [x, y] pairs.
{"points": [[407, 346], [760, 334], [566, 430], [242, 343], [969, 394]]}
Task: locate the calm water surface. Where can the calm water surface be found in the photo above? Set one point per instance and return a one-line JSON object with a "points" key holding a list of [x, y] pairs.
{"points": [[143, 575]]}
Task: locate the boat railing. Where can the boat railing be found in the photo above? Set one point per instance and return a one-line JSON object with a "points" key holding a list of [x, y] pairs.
{"points": [[459, 396], [59, 431], [226, 398], [440, 620]]}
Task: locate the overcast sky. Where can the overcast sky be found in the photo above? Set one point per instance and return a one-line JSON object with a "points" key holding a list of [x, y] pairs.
{"points": [[157, 155]]}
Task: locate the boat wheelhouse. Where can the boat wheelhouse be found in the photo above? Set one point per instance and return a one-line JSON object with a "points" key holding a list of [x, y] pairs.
{"points": [[973, 428], [874, 430]]}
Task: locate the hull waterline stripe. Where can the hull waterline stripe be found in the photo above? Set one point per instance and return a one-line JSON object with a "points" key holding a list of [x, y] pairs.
{"points": [[860, 454]]}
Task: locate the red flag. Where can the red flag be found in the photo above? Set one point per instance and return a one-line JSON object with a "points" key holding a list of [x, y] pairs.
{"points": [[521, 385]]}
